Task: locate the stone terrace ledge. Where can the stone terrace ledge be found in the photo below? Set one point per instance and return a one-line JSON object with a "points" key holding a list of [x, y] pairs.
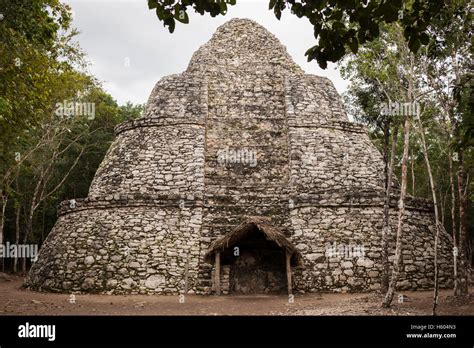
{"points": [[345, 126], [359, 198], [155, 122], [328, 198], [129, 200], [170, 121]]}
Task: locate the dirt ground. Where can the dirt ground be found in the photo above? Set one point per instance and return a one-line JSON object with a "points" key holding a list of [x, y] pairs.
{"points": [[16, 301]]}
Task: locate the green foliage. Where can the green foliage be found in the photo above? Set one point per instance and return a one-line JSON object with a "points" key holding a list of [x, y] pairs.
{"points": [[40, 68], [339, 26], [464, 96], [376, 78], [170, 11], [441, 75], [35, 66]]}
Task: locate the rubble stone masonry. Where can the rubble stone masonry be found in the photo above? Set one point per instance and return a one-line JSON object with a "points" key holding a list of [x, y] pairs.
{"points": [[242, 132]]}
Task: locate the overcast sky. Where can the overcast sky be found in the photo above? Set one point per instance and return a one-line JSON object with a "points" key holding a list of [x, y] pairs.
{"points": [[130, 50]]}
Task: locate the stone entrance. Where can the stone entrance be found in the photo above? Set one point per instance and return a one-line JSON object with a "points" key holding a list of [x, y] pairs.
{"points": [[259, 268], [255, 258]]}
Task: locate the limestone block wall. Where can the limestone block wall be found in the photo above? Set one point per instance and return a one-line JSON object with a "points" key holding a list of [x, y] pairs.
{"points": [[112, 247], [153, 160], [332, 158], [326, 151], [163, 151], [178, 98], [311, 100], [358, 267], [245, 135], [242, 45], [246, 170]]}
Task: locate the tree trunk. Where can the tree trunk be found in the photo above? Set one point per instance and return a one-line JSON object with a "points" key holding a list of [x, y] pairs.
{"points": [[453, 221], [442, 206], [435, 204], [29, 222], [17, 234], [28, 231], [412, 174], [462, 288], [401, 213], [2, 223], [386, 212], [43, 223]]}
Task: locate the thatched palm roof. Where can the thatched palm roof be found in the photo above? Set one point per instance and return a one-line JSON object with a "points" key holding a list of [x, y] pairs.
{"points": [[240, 232]]}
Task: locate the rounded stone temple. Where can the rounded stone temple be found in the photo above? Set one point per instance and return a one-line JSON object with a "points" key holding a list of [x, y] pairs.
{"points": [[244, 175]]}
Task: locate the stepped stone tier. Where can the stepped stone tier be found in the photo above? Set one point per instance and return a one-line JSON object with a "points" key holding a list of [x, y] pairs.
{"points": [[244, 175]]}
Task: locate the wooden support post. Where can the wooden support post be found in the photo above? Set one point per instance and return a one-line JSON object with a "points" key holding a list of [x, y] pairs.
{"points": [[217, 275], [186, 275], [288, 272]]}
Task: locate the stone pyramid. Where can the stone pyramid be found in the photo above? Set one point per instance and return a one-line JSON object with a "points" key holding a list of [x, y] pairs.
{"points": [[242, 164]]}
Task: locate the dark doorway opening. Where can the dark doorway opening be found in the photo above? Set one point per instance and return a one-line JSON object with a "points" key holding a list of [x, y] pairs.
{"points": [[255, 257], [257, 265]]}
